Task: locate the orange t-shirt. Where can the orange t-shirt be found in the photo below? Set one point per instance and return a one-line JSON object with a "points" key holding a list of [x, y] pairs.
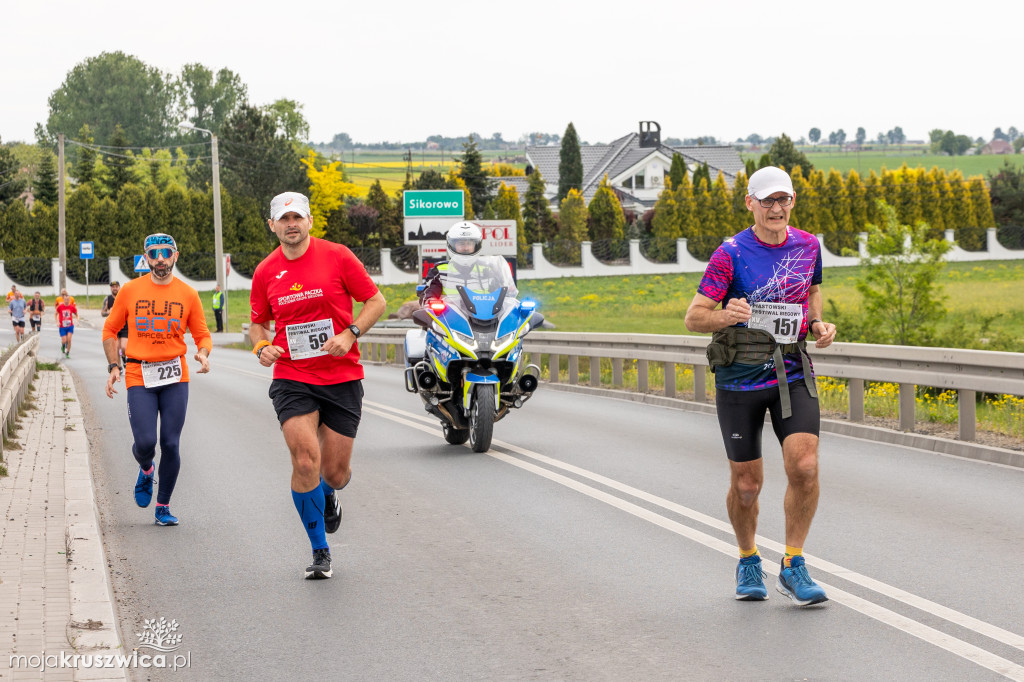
{"points": [[157, 317]]}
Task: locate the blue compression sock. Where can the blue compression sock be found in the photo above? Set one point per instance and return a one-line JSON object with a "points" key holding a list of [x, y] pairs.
{"points": [[311, 510], [326, 488]]}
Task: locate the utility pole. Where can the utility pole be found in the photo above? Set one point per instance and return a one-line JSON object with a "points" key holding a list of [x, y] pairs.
{"points": [[61, 235], [218, 230]]}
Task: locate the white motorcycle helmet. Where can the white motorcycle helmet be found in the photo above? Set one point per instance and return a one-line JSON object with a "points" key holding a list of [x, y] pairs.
{"points": [[465, 240]]}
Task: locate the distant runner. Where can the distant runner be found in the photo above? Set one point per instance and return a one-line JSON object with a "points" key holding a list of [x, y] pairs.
{"points": [[67, 315]]}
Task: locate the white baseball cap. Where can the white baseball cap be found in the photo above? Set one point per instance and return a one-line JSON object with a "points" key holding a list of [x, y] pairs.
{"points": [[769, 180], [289, 202]]}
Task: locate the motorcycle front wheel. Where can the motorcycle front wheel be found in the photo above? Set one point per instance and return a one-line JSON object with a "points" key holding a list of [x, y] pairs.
{"points": [[453, 435], [481, 418]]}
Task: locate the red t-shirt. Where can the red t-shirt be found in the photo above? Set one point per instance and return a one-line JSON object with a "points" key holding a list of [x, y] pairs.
{"points": [[313, 295], [64, 313]]}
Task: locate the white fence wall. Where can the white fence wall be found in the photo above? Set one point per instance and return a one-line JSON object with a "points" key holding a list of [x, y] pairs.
{"points": [[542, 268]]}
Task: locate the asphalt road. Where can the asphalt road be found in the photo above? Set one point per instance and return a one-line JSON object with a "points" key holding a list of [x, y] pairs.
{"points": [[590, 543]]}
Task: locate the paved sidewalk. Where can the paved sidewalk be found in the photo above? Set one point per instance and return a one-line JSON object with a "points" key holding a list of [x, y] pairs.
{"points": [[55, 596]]}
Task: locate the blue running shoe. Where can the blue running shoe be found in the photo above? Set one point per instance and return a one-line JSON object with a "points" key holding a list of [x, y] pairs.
{"points": [[164, 517], [750, 580], [796, 583], [143, 489]]}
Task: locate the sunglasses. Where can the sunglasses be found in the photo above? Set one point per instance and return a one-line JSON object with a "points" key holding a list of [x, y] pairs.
{"points": [[164, 253]]}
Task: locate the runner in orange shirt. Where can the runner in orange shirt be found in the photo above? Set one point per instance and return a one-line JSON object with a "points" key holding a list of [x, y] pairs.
{"points": [[157, 309]]}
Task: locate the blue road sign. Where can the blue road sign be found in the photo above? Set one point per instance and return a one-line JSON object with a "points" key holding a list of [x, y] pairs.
{"points": [[140, 264], [86, 251]]}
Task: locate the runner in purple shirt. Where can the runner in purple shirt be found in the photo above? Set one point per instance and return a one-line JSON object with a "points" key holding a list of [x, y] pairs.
{"points": [[767, 280]]}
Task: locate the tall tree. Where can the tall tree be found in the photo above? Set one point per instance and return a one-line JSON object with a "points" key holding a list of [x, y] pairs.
{"points": [[256, 162], [119, 161], [179, 222], [856, 197], [15, 223], [45, 187], [814, 135], [740, 214], [110, 89], [804, 214], [861, 136], [962, 215], [981, 202], [839, 205], [85, 169], [130, 220], [479, 184], [572, 218], [721, 210], [784, 154], [908, 202], [677, 170], [389, 220], [929, 198], [840, 138], [1006, 187], [506, 207], [537, 223], [291, 122], [665, 226], [327, 190], [11, 184], [206, 99], [607, 220], [686, 208], [570, 163]]}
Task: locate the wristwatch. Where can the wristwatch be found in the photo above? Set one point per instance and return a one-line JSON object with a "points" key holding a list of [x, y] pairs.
{"points": [[112, 366], [355, 330]]}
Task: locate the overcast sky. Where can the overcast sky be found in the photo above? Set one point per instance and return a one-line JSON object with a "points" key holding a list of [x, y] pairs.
{"points": [[400, 70]]}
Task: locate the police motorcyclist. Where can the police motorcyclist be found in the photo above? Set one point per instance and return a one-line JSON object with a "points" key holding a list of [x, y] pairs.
{"points": [[467, 267]]}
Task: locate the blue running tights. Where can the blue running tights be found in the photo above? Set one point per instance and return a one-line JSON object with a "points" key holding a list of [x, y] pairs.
{"points": [[144, 405]]}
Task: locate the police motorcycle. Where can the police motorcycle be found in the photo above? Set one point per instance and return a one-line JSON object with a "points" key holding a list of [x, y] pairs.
{"points": [[466, 363]]}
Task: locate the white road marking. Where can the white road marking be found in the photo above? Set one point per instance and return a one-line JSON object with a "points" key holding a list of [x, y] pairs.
{"points": [[928, 634]]}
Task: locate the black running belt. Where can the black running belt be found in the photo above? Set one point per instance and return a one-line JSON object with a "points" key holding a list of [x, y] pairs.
{"points": [[133, 360]]}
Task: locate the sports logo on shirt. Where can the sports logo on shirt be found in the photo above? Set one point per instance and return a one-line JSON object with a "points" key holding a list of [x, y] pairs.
{"points": [[281, 274], [159, 321], [296, 287]]}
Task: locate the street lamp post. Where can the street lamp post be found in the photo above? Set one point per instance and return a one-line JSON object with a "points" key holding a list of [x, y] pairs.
{"points": [[218, 242]]}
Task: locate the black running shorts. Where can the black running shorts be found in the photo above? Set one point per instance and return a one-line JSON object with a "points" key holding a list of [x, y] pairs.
{"points": [[741, 417], [340, 405]]}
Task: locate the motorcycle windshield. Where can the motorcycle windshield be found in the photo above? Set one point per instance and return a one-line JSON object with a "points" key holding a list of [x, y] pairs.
{"points": [[479, 289]]}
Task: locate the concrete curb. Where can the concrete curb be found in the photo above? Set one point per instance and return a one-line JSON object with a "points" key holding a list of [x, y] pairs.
{"points": [[92, 599]]}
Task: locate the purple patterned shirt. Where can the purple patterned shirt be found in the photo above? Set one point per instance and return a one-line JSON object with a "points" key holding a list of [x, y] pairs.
{"points": [[746, 267]]}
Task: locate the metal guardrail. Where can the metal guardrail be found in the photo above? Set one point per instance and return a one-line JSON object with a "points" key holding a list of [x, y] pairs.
{"points": [[15, 377], [965, 371]]}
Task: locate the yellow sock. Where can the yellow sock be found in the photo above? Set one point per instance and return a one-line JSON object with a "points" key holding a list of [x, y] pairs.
{"points": [[790, 553], [744, 553]]}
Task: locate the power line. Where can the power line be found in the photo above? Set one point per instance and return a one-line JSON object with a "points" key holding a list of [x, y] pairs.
{"points": [[99, 147]]}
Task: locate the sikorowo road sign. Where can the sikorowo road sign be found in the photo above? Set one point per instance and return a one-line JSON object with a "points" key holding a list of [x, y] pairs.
{"points": [[433, 203], [86, 251]]}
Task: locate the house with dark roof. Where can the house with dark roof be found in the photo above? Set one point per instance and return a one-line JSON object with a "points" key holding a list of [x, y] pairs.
{"points": [[636, 165]]}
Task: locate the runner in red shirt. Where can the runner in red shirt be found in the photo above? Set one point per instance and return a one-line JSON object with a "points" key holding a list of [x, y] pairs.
{"points": [[306, 287], [67, 315]]}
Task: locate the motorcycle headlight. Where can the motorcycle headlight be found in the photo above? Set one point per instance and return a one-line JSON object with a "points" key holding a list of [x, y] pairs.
{"points": [[467, 341], [501, 342]]}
